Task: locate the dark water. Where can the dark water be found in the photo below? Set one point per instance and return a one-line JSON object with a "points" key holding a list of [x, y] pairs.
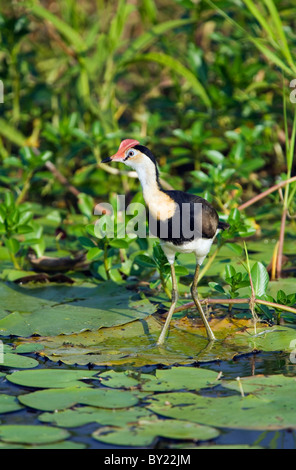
{"points": [[247, 365]]}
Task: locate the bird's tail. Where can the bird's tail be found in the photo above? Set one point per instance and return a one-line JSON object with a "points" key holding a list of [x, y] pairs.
{"points": [[223, 225]]}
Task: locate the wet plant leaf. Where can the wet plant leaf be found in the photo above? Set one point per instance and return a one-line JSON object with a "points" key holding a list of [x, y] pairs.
{"points": [[87, 414], [55, 445], [120, 379], [51, 378], [260, 278], [147, 430], [8, 403], [59, 399], [134, 344], [53, 310], [270, 406], [31, 434], [17, 361]]}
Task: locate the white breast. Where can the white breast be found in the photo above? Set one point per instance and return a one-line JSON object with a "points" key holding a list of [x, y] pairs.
{"points": [[200, 247]]}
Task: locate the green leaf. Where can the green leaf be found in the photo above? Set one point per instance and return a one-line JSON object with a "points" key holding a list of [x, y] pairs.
{"points": [[17, 361], [119, 243], [62, 398], [260, 278], [59, 309], [81, 416], [50, 378], [86, 242], [94, 253], [215, 156], [9, 403], [229, 271], [181, 271], [217, 287], [147, 430], [21, 229], [147, 39], [269, 406], [86, 204], [11, 133], [237, 249], [64, 28], [31, 434], [174, 64], [145, 261], [12, 245]]}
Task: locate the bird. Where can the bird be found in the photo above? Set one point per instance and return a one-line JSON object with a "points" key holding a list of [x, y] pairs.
{"points": [[175, 214]]}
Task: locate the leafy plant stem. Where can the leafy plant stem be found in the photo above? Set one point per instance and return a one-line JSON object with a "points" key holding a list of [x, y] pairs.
{"points": [[106, 265], [164, 285], [14, 260], [253, 297], [25, 189], [281, 244]]}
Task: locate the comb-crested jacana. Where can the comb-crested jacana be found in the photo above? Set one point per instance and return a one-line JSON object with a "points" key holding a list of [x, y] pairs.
{"points": [[163, 206]]}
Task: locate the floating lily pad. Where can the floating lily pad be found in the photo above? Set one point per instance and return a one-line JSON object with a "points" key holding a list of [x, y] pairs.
{"points": [[9, 403], [272, 387], [59, 399], [64, 445], [146, 431], [178, 378], [16, 361], [51, 378], [270, 406], [87, 414], [134, 344], [57, 309], [31, 434], [28, 348], [120, 379]]}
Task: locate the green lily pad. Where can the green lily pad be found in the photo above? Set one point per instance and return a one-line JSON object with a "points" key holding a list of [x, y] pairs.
{"points": [[16, 361], [134, 344], [60, 399], [179, 378], [55, 445], [31, 434], [147, 430], [264, 386], [120, 379], [270, 406], [51, 378], [9, 403], [28, 348], [58, 309], [87, 414]]}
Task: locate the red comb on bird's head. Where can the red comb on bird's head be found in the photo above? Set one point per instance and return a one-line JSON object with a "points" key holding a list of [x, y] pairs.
{"points": [[127, 144], [123, 147]]}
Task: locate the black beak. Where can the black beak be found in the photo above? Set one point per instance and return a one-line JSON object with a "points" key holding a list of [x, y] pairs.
{"points": [[106, 160]]}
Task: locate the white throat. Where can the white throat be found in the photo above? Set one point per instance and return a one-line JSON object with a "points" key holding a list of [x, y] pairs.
{"points": [[146, 171]]}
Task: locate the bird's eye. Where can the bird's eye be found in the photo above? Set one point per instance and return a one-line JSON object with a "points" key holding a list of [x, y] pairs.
{"points": [[131, 153]]}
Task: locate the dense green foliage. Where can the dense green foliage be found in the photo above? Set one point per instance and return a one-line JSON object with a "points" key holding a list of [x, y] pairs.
{"points": [[200, 83], [208, 87]]}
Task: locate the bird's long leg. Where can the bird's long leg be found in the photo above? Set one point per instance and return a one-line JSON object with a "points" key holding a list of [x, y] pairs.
{"points": [[172, 307], [194, 294]]}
